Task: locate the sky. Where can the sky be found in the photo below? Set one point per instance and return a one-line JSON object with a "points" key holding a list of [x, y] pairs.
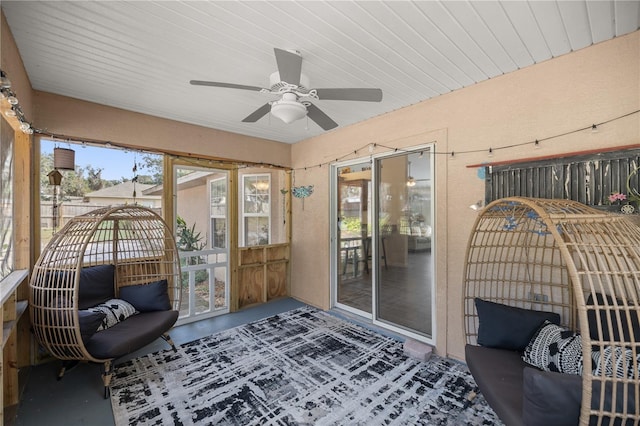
{"points": [[115, 163]]}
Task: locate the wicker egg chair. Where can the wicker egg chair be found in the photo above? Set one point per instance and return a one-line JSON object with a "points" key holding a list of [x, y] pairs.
{"points": [[579, 262], [105, 254]]}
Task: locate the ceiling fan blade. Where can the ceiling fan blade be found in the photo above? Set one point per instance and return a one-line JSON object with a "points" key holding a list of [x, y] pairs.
{"points": [[225, 85], [366, 95], [289, 66], [258, 114], [321, 119]]}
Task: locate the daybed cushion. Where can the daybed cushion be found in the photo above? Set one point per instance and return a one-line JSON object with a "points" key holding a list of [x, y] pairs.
{"points": [[550, 398], [507, 327], [620, 402], [147, 297], [554, 348], [130, 335], [611, 318], [89, 323], [96, 285], [498, 373]]}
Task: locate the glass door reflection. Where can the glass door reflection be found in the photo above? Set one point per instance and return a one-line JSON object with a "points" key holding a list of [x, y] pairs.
{"points": [[404, 238], [354, 283]]}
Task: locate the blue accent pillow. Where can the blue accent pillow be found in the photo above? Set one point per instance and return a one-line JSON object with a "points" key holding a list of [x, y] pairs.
{"points": [[147, 297], [507, 327]]}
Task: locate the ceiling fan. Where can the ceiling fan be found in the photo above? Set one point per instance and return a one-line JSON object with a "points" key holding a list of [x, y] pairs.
{"points": [[295, 95]]}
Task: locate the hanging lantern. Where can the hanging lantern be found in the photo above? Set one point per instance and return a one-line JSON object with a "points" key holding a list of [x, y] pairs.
{"points": [[64, 159]]}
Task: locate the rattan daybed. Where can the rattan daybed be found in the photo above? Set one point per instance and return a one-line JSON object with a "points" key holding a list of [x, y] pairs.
{"points": [[106, 285], [537, 271]]}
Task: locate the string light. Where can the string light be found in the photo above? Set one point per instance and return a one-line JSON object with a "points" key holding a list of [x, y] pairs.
{"points": [[25, 126], [12, 99]]}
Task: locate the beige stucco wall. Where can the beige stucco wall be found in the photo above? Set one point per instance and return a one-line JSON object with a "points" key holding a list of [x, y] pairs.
{"points": [[193, 207], [11, 63], [571, 92], [72, 117]]}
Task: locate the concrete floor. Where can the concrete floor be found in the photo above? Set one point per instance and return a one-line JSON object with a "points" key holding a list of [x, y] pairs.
{"points": [[78, 399]]}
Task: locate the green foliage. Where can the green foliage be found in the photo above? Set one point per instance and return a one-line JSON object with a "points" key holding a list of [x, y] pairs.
{"points": [[94, 178], [84, 179], [351, 224], [188, 238], [155, 165], [75, 183]]}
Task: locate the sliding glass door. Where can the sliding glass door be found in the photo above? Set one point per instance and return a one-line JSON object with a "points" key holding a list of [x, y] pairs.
{"points": [[383, 264], [404, 284], [353, 244]]}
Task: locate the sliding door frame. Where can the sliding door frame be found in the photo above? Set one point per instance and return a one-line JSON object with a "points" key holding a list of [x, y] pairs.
{"points": [[333, 235], [428, 149]]}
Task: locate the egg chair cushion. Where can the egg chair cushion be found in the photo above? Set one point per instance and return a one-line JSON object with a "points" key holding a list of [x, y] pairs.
{"points": [[630, 326], [130, 335], [550, 398], [508, 327], [89, 323], [96, 285], [147, 297], [618, 405], [498, 373]]}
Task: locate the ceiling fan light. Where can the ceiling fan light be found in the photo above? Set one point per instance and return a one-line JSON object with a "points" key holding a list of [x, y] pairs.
{"points": [[288, 111]]}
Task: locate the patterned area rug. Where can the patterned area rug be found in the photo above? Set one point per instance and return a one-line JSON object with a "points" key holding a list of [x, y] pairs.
{"points": [[303, 367]]}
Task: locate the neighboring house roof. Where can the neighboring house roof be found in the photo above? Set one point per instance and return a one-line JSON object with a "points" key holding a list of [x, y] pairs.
{"points": [[123, 190], [195, 178]]}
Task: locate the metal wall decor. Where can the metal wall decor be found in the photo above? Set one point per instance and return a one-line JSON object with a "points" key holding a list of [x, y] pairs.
{"points": [[302, 191]]}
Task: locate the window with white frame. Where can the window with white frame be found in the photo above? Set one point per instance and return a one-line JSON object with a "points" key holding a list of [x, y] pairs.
{"points": [[256, 209], [218, 197]]}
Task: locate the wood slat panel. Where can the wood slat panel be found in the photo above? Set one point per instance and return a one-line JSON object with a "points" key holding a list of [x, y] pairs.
{"points": [[589, 180], [276, 280], [252, 288]]}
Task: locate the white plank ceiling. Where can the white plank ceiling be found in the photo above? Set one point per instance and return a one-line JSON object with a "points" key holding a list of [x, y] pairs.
{"points": [[141, 55]]}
